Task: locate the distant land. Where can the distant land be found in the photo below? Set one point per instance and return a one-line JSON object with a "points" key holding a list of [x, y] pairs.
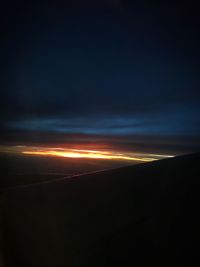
{"points": [[18, 168], [141, 215], [26, 169]]}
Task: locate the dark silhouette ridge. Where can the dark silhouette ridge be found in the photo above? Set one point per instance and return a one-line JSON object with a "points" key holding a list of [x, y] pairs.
{"points": [[142, 215]]}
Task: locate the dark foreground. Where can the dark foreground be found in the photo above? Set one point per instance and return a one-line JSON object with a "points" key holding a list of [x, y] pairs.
{"points": [[143, 215]]}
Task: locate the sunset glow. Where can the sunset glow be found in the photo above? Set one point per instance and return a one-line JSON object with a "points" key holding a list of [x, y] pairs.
{"points": [[93, 154], [108, 154]]}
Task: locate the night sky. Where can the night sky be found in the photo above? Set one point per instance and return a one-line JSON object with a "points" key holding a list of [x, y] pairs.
{"points": [[101, 74]]}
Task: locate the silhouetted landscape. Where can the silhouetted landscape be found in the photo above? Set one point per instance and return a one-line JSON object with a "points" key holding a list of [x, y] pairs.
{"points": [[21, 170], [142, 215]]}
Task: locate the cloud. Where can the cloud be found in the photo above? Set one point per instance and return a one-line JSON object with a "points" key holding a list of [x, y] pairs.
{"points": [[92, 73]]}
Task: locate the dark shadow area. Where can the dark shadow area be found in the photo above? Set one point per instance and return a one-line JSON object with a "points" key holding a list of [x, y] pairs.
{"points": [[142, 215]]}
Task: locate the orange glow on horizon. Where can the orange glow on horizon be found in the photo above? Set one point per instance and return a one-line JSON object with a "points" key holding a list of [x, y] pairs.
{"points": [[92, 154], [82, 153]]}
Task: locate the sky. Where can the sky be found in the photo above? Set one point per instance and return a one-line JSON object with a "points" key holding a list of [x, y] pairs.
{"points": [[101, 74]]}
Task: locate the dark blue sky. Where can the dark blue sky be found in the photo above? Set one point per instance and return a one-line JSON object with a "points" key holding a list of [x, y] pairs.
{"points": [[112, 70]]}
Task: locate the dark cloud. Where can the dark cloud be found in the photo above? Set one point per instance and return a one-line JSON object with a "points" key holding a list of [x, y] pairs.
{"points": [[164, 144]]}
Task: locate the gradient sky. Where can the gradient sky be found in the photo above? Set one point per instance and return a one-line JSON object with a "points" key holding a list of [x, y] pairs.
{"points": [[101, 73]]}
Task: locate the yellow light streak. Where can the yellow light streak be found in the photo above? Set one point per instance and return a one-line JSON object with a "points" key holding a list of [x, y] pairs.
{"points": [[82, 153], [88, 154]]}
